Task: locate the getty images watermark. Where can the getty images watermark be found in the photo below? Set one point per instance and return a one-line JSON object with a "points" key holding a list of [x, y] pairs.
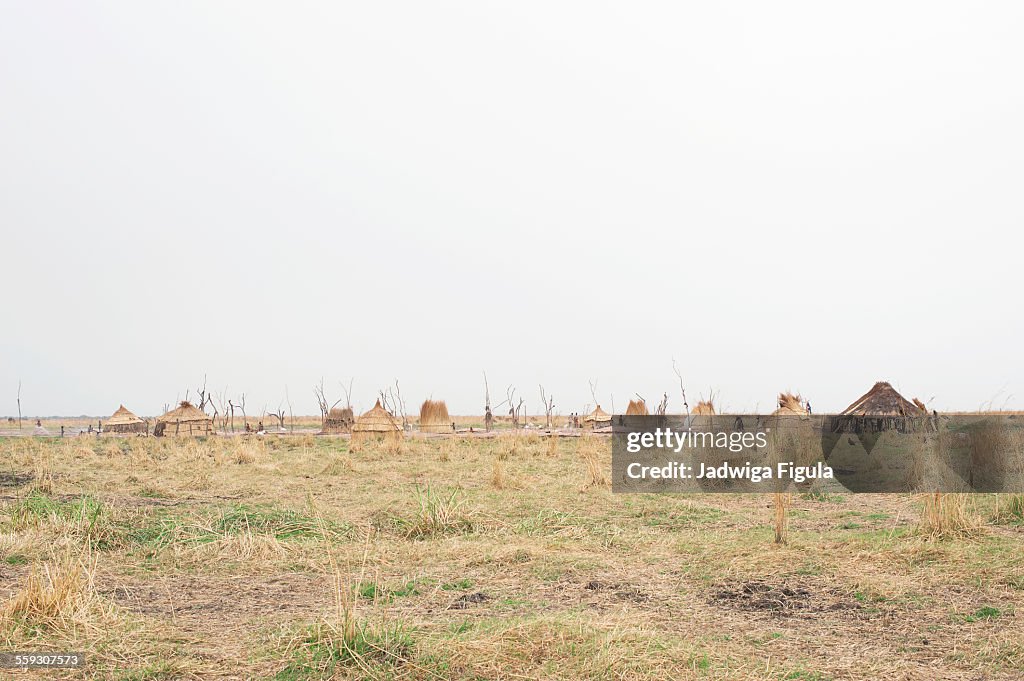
{"points": [[752, 453]]}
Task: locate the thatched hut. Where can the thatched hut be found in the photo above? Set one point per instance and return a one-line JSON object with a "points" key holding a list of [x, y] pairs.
{"points": [[377, 421], [434, 417], [883, 400], [637, 408], [123, 421], [790, 405], [704, 408], [185, 420], [339, 420], [598, 418]]}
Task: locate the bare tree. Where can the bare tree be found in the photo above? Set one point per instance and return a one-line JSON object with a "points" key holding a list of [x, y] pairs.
{"points": [[279, 415], [19, 404], [221, 408], [514, 408], [682, 388], [549, 406], [202, 395], [241, 407], [662, 406], [325, 406], [398, 404], [348, 392], [488, 416], [291, 413]]}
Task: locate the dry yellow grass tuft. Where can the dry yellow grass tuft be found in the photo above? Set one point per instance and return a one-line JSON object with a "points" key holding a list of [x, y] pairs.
{"points": [[590, 451], [948, 516], [498, 478], [59, 597]]}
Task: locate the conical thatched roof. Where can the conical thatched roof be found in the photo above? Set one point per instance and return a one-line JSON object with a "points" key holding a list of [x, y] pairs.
{"points": [[790, 405], [184, 414], [599, 415], [377, 420], [637, 408], [882, 400], [434, 417], [123, 417]]}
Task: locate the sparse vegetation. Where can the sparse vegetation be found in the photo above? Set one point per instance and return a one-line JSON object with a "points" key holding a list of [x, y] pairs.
{"points": [[323, 562]]}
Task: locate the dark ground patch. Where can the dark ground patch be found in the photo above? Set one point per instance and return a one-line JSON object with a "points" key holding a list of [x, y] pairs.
{"points": [[465, 600], [626, 592], [12, 480], [781, 598]]}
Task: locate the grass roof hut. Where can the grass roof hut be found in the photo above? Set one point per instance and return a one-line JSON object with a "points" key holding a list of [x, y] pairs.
{"points": [[123, 421], [637, 408], [883, 400], [185, 420], [434, 417], [790, 405], [376, 421], [339, 420], [598, 418]]}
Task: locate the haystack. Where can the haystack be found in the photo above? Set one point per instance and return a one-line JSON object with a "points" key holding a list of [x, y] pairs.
{"points": [[883, 400], [434, 417], [598, 418], [185, 420], [339, 420], [123, 421], [790, 405], [377, 421], [704, 408], [637, 408]]}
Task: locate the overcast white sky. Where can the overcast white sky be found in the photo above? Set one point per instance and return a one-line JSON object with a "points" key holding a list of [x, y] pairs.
{"points": [[797, 195]]}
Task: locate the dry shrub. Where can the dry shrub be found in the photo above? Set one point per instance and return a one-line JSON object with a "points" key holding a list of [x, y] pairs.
{"points": [[948, 516], [597, 475]]}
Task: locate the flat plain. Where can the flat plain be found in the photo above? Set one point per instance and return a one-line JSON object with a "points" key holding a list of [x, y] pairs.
{"points": [[296, 557]]}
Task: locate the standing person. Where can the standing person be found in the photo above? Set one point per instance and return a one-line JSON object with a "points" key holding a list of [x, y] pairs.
{"points": [[808, 406]]}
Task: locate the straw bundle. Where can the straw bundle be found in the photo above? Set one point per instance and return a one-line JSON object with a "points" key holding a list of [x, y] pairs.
{"points": [[123, 421], [434, 417], [790, 405], [637, 408], [920, 405], [704, 408]]}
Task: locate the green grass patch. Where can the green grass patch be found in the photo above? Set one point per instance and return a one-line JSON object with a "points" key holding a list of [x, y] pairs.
{"points": [[325, 652]]}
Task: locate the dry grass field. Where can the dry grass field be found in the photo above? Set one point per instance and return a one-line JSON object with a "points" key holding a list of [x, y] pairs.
{"points": [[294, 557]]}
